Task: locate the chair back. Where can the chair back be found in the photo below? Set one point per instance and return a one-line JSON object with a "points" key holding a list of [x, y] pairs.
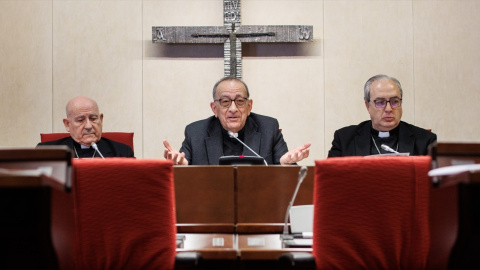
{"points": [[124, 214], [371, 213], [121, 137]]}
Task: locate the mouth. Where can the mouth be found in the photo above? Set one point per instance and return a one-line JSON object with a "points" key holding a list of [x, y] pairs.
{"points": [[389, 118], [232, 118]]}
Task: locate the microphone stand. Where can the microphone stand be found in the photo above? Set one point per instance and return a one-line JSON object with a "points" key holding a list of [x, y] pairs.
{"points": [[234, 135], [388, 149], [301, 175], [94, 145]]}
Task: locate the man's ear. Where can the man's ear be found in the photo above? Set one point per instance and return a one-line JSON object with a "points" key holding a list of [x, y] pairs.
{"points": [[250, 106], [367, 105], [66, 122], [212, 106]]}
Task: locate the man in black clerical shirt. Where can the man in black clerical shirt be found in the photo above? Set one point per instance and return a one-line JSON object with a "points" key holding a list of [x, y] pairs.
{"points": [[208, 139], [383, 100], [84, 122]]}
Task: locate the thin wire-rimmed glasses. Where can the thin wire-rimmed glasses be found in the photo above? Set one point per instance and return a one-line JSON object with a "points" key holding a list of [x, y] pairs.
{"points": [[227, 102], [382, 103]]}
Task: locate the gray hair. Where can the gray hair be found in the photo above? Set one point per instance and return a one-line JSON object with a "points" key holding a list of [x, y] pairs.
{"points": [[229, 79], [366, 88]]}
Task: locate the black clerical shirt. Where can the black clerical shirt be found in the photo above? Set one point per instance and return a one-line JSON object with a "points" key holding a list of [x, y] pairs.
{"points": [[83, 152], [231, 146], [377, 141]]}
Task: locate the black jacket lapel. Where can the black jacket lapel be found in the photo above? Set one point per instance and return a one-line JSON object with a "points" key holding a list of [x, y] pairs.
{"points": [[214, 142], [252, 137]]}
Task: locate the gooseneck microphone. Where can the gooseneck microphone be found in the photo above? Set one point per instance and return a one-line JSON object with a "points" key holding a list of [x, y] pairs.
{"points": [[388, 149], [301, 175], [94, 145], [235, 135]]}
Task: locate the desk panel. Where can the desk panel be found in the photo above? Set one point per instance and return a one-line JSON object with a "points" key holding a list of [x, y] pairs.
{"points": [[446, 199], [455, 237], [263, 195], [447, 154], [38, 213], [27, 240], [204, 197]]}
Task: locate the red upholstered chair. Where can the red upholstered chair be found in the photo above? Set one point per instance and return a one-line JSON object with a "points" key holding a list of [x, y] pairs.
{"points": [[121, 137], [371, 213], [124, 214]]}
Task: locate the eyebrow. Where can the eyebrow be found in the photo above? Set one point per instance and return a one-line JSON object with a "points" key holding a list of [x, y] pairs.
{"points": [[386, 98], [236, 96], [83, 116]]}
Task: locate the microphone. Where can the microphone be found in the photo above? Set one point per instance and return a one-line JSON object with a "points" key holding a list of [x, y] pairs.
{"points": [[235, 135], [301, 175], [388, 149], [94, 145]]}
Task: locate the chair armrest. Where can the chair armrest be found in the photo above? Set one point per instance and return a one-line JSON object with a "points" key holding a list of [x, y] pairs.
{"points": [[188, 260], [296, 260]]}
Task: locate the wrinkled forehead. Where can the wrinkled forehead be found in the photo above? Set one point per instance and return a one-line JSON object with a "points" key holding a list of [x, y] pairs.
{"points": [[82, 107], [231, 88]]}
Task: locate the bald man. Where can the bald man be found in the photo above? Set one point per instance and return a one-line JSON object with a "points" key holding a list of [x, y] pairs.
{"points": [[84, 123]]}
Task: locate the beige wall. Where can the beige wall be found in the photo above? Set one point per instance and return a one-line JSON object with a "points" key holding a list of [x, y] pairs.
{"points": [[51, 51]]}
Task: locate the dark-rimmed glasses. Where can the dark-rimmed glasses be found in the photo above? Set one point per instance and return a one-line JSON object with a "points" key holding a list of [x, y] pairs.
{"points": [[227, 102], [382, 103]]}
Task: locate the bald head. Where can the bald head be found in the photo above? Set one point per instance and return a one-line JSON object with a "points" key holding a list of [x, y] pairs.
{"points": [[84, 121], [79, 102]]}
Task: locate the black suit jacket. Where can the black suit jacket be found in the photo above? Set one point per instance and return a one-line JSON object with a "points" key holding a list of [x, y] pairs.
{"points": [[356, 140], [107, 147], [203, 144]]}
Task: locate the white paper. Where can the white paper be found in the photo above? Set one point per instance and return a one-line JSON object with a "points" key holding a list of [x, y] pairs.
{"points": [[301, 218], [28, 172], [389, 154], [456, 169]]}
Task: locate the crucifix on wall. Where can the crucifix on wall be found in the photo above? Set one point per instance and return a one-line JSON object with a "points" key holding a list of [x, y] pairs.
{"points": [[232, 34]]}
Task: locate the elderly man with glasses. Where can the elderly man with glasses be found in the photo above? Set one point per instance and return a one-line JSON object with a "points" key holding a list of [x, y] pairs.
{"points": [[209, 139], [383, 100]]}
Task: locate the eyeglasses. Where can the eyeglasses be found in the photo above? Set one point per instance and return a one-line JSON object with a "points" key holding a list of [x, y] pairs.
{"points": [[382, 103], [227, 102]]}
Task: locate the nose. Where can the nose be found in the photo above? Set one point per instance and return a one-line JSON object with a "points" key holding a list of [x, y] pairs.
{"points": [[88, 124], [233, 107], [388, 106]]}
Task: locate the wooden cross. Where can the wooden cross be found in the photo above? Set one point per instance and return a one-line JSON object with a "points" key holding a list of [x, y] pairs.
{"points": [[232, 34]]}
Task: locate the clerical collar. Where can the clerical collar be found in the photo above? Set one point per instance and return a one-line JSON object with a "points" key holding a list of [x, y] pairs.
{"points": [[82, 151], [384, 134], [232, 147], [80, 146], [239, 134]]}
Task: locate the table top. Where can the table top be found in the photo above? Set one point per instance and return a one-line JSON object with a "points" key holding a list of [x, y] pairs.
{"points": [[217, 246]]}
